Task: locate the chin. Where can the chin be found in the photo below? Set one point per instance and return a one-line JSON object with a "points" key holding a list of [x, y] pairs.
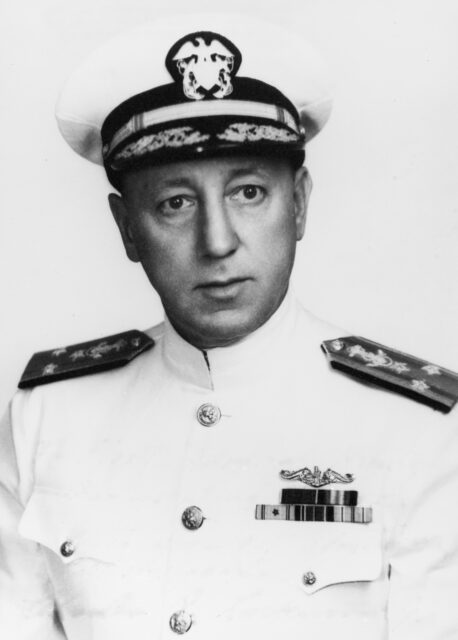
{"points": [[225, 327]]}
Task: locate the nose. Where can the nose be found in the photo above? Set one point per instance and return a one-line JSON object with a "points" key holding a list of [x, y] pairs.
{"points": [[218, 237]]}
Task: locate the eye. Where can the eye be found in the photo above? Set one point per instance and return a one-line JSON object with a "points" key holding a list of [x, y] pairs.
{"points": [[252, 193], [175, 204]]}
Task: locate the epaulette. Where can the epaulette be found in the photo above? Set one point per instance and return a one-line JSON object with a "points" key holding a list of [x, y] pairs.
{"points": [[394, 370], [84, 358]]}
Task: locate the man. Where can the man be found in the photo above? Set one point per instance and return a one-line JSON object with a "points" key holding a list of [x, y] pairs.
{"points": [[216, 476]]}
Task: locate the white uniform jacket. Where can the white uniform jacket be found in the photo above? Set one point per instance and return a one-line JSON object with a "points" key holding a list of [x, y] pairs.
{"points": [[107, 464]]}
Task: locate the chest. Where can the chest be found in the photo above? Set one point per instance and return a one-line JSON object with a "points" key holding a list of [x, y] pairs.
{"points": [[120, 491]]}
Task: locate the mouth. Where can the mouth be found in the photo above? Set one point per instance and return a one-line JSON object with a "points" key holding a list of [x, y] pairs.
{"points": [[222, 289]]}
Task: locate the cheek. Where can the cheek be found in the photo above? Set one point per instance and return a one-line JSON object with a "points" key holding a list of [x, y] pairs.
{"points": [[164, 254], [278, 239]]}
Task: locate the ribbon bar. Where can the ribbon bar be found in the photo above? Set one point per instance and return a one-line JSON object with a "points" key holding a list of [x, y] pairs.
{"points": [[320, 497], [314, 513]]}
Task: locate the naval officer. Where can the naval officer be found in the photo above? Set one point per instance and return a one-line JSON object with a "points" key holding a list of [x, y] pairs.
{"points": [[221, 475]]}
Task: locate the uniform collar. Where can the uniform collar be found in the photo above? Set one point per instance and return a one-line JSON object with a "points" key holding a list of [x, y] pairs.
{"points": [[232, 364]]}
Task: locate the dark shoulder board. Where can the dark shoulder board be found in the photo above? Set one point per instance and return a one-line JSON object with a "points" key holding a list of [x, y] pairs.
{"points": [[84, 358], [394, 370]]}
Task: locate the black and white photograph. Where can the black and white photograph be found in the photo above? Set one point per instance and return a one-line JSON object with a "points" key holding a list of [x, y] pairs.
{"points": [[229, 374]]}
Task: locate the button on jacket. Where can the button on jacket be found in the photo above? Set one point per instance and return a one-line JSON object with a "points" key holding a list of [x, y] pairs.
{"points": [[128, 499]]}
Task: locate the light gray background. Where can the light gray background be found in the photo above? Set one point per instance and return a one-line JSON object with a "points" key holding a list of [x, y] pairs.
{"points": [[380, 254]]}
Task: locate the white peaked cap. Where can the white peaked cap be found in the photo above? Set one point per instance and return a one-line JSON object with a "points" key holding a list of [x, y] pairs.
{"points": [[167, 114]]}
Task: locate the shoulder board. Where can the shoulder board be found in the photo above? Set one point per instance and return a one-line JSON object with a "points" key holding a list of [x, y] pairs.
{"points": [[84, 358], [394, 370]]}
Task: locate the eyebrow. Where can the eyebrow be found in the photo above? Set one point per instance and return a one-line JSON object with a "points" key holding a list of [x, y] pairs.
{"points": [[246, 170], [187, 181], [174, 182], [183, 181]]}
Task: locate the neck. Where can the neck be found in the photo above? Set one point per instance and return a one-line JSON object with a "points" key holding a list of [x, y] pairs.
{"points": [[235, 363]]}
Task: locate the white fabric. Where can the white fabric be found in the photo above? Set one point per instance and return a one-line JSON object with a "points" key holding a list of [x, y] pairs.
{"points": [[135, 62], [110, 461]]}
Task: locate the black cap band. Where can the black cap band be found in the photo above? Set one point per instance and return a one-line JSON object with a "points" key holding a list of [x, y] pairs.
{"points": [[161, 125]]}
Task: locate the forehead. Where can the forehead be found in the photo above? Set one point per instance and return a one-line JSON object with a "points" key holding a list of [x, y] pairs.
{"points": [[204, 171]]}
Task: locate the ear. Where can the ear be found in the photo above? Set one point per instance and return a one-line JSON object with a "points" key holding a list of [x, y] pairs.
{"points": [[302, 190], [124, 221]]}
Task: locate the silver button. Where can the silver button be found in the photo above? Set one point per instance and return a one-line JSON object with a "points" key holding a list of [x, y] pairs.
{"points": [[192, 518], [208, 414], [67, 549], [309, 578], [180, 622]]}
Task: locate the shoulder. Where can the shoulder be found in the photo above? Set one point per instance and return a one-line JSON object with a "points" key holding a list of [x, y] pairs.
{"points": [[85, 358], [83, 379], [364, 395], [394, 370], [384, 367]]}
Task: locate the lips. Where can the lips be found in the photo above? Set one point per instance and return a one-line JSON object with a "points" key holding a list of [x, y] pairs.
{"points": [[223, 289], [221, 283]]}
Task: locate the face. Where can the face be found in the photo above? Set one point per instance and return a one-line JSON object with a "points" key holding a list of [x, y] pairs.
{"points": [[216, 239]]}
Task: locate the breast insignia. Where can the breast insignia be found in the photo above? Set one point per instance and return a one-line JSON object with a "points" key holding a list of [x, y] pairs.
{"points": [[316, 505], [394, 370], [316, 478], [84, 358]]}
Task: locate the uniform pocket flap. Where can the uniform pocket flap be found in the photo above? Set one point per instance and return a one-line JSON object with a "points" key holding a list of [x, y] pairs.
{"points": [[74, 527], [355, 555]]}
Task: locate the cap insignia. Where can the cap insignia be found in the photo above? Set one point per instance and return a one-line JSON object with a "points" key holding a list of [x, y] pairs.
{"points": [[204, 62]]}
